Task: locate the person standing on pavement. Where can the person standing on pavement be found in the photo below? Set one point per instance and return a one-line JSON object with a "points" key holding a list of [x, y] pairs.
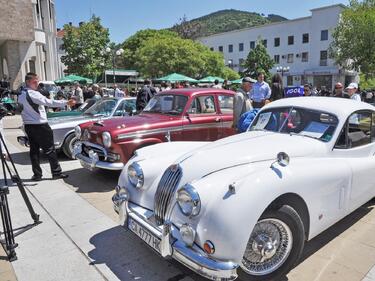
{"points": [[261, 92], [145, 95], [277, 89], [241, 102], [352, 92], [78, 94], [40, 134]]}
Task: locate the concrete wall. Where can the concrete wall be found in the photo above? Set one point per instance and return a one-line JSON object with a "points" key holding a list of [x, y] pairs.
{"points": [[16, 21]]}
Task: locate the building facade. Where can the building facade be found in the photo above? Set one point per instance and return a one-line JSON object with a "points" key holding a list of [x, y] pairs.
{"points": [[299, 44], [28, 40]]}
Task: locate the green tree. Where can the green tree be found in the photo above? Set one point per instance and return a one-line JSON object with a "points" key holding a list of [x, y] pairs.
{"points": [[135, 42], [258, 60], [84, 46], [353, 45], [161, 56]]}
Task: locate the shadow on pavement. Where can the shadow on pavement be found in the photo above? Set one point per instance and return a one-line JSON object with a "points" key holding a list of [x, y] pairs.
{"points": [[23, 158], [129, 258], [86, 181]]}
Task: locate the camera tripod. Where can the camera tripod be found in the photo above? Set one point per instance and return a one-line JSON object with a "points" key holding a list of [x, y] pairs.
{"points": [[8, 242]]}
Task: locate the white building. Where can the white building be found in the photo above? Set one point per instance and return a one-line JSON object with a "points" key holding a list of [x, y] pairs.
{"points": [[300, 44], [28, 40]]}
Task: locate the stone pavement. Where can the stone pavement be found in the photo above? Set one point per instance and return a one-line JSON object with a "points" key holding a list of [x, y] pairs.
{"points": [[79, 238]]}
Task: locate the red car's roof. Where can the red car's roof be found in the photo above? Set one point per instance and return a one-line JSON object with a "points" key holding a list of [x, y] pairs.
{"points": [[193, 91]]}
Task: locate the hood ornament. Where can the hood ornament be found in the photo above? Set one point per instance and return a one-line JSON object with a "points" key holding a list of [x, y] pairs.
{"points": [[282, 159]]}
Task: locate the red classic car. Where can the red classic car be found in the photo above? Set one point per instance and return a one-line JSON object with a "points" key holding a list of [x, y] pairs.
{"points": [[176, 115]]}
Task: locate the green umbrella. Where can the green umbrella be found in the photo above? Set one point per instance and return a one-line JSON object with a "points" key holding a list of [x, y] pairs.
{"points": [[239, 81], [211, 79], [175, 77], [73, 78]]}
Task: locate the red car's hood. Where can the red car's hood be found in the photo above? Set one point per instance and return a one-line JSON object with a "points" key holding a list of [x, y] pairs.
{"points": [[141, 122]]}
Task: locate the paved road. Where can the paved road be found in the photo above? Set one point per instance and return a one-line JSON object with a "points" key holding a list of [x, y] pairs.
{"points": [[80, 240]]}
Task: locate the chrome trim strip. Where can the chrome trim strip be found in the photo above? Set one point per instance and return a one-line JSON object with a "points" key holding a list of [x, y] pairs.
{"points": [[170, 129], [101, 148]]}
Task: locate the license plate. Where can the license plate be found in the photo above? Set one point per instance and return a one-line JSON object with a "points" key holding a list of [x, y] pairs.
{"points": [[144, 234]]}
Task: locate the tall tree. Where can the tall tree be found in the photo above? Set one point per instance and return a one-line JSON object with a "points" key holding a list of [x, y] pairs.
{"points": [[258, 60], [353, 45], [84, 46], [135, 42]]}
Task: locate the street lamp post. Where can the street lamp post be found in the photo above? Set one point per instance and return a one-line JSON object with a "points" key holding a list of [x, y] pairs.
{"points": [[114, 53], [282, 70]]}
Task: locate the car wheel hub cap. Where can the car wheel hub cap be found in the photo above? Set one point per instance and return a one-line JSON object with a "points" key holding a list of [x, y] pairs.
{"points": [[268, 247]]}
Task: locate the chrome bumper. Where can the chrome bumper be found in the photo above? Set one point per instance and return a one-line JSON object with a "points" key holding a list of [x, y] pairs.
{"points": [[192, 257], [93, 162]]}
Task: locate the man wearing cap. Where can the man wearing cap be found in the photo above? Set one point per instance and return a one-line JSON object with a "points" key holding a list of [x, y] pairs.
{"points": [[339, 91], [352, 92], [242, 103]]}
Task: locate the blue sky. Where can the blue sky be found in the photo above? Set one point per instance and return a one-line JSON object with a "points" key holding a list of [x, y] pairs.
{"points": [[124, 17]]}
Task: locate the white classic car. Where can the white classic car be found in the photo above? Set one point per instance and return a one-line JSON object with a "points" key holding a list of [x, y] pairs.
{"points": [[245, 205]]}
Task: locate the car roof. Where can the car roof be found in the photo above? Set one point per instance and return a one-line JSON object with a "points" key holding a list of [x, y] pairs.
{"points": [[341, 107], [193, 91]]}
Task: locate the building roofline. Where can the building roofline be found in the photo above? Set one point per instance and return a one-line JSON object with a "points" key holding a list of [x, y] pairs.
{"points": [[273, 23], [328, 7]]}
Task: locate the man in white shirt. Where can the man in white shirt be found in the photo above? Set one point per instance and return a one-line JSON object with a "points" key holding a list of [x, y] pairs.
{"points": [[35, 121], [260, 93], [352, 92], [78, 94]]}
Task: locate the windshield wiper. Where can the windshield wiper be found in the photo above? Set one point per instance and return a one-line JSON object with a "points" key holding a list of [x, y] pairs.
{"points": [[173, 112], [296, 134]]}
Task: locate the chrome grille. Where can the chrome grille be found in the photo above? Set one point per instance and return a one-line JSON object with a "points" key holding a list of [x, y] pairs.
{"points": [[166, 188]]}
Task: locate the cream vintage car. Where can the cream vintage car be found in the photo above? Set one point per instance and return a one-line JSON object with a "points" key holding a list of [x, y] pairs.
{"points": [[245, 205]]}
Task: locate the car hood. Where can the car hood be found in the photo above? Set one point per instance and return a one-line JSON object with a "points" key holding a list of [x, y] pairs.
{"points": [[134, 123], [247, 148]]}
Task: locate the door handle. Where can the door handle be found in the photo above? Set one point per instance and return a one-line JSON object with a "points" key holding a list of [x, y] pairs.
{"points": [[217, 119]]}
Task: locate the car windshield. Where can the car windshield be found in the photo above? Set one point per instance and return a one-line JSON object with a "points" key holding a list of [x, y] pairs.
{"points": [[300, 121], [167, 104], [102, 108], [86, 105]]}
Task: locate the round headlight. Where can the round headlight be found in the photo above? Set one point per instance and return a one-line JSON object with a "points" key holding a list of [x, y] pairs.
{"points": [[187, 234], [135, 175], [188, 200], [106, 139], [78, 132]]}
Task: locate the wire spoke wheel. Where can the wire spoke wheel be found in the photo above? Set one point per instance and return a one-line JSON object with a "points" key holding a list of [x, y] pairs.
{"points": [[268, 248]]}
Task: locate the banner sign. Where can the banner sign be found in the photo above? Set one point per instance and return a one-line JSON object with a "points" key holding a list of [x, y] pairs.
{"points": [[295, 91]]}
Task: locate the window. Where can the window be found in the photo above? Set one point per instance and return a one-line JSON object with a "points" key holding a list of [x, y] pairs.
{"points": [[203, 105], [240, 47], [226, 104], [212, 48], [230, 48], [276, 58], [305, 38], [323, 58], [277, 42], [264, 43], [358, 131], [324, 35], [221, 49], [290, 58], [168, 104], [290, 40], [252, 45], [289, 80], [305, 56]]}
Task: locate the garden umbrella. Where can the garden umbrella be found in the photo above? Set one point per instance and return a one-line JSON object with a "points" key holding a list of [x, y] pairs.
{"points": [[70, 79], [175, 77], [211, 79]]}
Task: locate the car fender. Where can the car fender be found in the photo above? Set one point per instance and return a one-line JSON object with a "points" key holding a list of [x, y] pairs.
{"points": [[229, 215]]}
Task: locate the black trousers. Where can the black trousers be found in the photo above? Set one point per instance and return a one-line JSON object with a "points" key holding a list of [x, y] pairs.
{"points": [[41, 137]]}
